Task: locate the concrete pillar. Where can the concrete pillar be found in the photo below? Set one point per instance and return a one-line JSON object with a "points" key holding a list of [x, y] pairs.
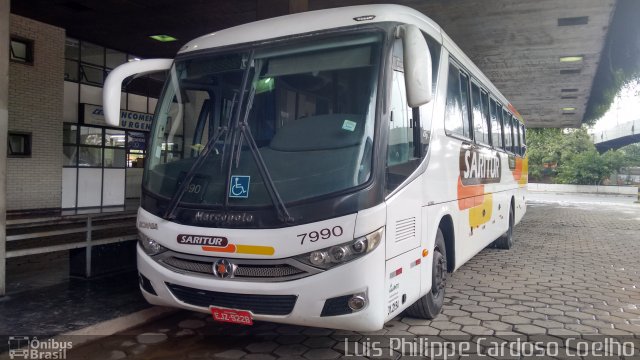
{"points": [[271, 8], [4, 121], [296, 6]]}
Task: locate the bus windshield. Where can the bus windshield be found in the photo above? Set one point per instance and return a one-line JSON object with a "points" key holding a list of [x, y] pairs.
{"points": [[308, 111]]}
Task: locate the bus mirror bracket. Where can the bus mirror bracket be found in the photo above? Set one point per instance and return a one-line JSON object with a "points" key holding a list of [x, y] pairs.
{"points": [[111, 92], [417, 65]]}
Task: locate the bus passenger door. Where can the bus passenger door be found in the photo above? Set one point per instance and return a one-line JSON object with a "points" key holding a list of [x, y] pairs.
{"points": [[403, 158], [404, 202]]}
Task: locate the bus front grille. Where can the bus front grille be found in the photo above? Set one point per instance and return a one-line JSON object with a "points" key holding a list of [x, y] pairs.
{"points": [[257, 304], [245, 270]]}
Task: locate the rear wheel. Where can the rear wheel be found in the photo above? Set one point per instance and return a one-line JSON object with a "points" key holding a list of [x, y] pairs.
{"points": [[506, 240], [429, 306]]}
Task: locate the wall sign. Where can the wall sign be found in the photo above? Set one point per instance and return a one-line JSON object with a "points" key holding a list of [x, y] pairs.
{"points": [[137, 141], [94, 115]]}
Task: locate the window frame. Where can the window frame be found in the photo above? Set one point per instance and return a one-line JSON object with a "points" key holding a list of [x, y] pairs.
{"points": [[465, 103], [29, 50], [494, 111], [28, 144]]}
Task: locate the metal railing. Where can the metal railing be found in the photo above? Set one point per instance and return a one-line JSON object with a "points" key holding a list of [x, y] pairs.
{"points": [[32, 236]]}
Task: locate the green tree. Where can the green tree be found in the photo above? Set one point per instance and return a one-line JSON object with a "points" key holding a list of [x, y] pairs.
{"points": [[631, 154], [544, 146], [584, 168], [577, 160]]}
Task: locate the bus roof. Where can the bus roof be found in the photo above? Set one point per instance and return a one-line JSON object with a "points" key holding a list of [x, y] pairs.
{"points": [[312, 21]]}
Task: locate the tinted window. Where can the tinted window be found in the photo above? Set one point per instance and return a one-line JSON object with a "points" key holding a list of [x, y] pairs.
{"points": [[523, 140], [456, 108], [496, 137], [476, 107], [466, 113], [401, 152], [516, 136], [480, 114], [508, 139]]}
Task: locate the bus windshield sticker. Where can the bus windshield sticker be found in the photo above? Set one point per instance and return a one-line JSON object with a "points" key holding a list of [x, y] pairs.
{"points": [[239, 187], [349, 125]]}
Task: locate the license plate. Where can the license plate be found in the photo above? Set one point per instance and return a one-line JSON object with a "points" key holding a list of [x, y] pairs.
{"points": [[232, 316]]}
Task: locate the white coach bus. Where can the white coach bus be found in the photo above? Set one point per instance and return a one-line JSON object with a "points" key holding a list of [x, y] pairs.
{"points": [[327, 168]]}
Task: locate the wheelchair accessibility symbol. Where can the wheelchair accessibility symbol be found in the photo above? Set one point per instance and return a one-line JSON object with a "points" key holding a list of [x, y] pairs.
{"points": [[239, 187]]}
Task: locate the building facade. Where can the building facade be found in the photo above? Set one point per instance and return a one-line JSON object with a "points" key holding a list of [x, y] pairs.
{"points": [[61, 153]]}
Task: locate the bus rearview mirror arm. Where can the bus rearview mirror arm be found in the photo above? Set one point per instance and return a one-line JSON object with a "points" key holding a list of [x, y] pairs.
{"points": [[417, 65], [111, 92]]}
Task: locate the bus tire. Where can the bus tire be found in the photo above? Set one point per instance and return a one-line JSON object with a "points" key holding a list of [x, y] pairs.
{"points": [[429, 306], [506, 240]]}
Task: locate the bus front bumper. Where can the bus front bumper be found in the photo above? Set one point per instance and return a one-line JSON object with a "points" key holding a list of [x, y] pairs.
{"points": [[363, 275]]}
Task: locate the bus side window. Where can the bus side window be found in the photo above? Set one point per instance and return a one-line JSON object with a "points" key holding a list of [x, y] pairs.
{"points": [[456, 112], [508, 137], [486, 125], [496, 126], [402, 158], [480, 118], [516, 134], [501, 121], [523, 139]]}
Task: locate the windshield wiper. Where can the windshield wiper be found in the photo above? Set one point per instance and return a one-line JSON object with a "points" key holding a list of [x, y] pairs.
{"points": [[169, 214], [245, 133]]}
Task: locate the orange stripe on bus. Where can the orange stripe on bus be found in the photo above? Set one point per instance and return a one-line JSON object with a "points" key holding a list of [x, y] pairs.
{"points": [[227, 249], [469, 196]]}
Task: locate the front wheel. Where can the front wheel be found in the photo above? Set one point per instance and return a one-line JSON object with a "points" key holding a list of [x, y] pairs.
{"points": [[429, 306]]}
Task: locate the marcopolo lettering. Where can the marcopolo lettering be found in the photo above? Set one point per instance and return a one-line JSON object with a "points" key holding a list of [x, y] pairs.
{"points": [[187, 239], [223, 218]]}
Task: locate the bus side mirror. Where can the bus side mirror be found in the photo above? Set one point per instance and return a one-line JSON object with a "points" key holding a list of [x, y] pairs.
{"points": [[113, 84], [417, 65]]}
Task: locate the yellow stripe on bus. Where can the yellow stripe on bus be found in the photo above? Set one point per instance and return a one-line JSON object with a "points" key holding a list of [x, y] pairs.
{"points": [[481, 214], [255, 250]]}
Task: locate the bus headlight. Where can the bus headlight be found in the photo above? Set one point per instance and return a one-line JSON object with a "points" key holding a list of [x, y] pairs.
{"points": [[150, 246], [339, 254]]}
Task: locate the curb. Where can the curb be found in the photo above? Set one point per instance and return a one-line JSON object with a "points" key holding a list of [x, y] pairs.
{"points": [[113, 326]]}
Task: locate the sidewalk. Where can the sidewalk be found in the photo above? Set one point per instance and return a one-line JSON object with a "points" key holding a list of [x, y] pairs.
{"points": [[68, 306]]}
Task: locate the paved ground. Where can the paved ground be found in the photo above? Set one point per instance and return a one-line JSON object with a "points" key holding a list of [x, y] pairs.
{"points": [[574, 271]]}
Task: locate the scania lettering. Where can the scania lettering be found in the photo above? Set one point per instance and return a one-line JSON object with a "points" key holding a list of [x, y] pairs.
{"points": [[351, 158]]}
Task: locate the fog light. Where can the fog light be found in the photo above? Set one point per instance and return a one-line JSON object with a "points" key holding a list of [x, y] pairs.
{"points": [[357, 303]]}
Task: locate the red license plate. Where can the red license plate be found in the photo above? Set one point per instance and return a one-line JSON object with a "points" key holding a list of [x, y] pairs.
{"points": [[232, 316]]}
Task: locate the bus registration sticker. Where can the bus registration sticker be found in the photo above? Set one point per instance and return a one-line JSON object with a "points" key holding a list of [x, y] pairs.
{"points": [[349, 125], [241, 317]]}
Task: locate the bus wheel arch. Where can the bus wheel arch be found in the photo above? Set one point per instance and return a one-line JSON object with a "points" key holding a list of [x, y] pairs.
{"points": [[446, 226], [505, 241]]}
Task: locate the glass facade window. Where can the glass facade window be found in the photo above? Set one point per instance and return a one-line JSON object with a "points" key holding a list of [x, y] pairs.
{"points": [[116, 153], [114, 58], [114, 138], [72, 49], [114, 158], [91, 53], [90, 135]]}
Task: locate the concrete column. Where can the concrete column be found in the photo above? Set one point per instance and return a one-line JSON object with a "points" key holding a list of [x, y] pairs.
{"points": [[271, 8], [296, 6], [4, 121]]}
